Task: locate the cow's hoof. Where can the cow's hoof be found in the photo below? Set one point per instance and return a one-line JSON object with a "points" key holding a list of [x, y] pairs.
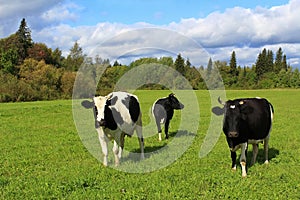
{"points": [[233, 169], [105, 163]]}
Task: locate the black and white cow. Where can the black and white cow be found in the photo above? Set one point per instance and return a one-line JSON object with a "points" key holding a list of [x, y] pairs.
{"points": [[116, 115], [163, 111], [246, 121]]}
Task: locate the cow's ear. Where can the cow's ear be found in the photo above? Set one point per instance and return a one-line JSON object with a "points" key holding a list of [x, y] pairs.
{"points": [[87, 104], [218, 110]]}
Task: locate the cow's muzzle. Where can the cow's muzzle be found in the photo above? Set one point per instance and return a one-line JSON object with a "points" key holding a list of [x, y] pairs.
{"points": [[233, 134], [181, 106], [102, 122]]}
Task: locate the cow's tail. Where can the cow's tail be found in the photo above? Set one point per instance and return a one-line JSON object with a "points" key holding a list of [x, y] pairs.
{"points": [[272, 110]]}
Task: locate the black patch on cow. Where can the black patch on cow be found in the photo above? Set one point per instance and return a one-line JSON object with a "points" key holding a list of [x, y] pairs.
{"points": [[95, 111], [112, 101], [133, 106], [117, 116], [109, 120], [126, 101], [111, 116]]}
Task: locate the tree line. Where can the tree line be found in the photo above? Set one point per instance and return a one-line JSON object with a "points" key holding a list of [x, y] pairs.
{"points": [[32, 71]]}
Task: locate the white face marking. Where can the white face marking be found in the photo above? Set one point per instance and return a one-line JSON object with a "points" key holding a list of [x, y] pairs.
{"points": [[232, 106], [100, 102]]}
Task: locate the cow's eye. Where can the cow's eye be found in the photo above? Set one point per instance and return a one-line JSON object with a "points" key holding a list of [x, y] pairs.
{"points": [[232, 106]]}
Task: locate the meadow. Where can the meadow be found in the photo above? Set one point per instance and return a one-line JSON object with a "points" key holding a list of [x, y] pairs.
{"points": [[43, 155]]}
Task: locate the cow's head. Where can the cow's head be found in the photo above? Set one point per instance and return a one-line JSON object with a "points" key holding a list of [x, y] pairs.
{"points": [[235, 115], [102, 107], [99, 104], [175, 104]]}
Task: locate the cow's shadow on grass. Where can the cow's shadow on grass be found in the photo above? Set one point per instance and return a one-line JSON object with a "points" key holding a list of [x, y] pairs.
{"points": [[180, 133], [260, 159], [134, 155]]}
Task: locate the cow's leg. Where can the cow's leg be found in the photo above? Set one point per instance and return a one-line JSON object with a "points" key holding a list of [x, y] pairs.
{"points": [[233, 160], [254, 153], [139, 132], [118, 147], [158, 128], [167, 128], [103, 142], [243, 159], [116, 150], [266, 150]]}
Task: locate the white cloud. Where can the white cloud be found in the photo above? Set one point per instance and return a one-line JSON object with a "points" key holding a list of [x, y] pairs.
{"points": [[61, 12], [239, 26], [38, 14], [246, 31], [17, 8]]}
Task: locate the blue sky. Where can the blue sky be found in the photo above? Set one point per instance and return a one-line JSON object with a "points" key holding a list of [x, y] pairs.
{"points": [[218, 26], [157, 12]]}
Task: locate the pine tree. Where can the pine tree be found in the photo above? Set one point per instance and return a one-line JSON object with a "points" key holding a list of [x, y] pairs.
{"points": [[75, 58], [278, 61], [179, 64], [233, 66], [259, 66], [262, 64], [209, 67], [233, 71], [284, 63], [270, 60], [188, 63], [24, 36]]}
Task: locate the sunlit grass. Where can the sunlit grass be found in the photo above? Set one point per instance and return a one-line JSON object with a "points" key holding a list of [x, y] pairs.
{"points": [[42, 156]]}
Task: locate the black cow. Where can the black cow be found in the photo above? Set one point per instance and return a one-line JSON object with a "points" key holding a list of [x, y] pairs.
{"points": [[246, 121], [163, 111], [116, 115]]}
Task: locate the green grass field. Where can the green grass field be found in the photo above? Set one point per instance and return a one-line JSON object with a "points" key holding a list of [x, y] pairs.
{"points": [[43, 156]]}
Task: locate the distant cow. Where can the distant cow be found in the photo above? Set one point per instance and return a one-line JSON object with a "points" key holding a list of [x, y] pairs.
{"points": [[163, 110], [246, 121], [116, 115]]}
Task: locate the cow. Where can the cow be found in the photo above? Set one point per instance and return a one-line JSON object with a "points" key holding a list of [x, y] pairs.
{"points": [[116, 115], [163, 111], [246, 121]]}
